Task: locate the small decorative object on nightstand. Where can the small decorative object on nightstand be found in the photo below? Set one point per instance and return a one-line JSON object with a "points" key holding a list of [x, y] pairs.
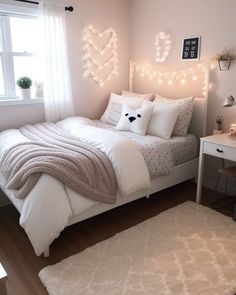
{"points": [[3, 278], [219, 125], [232, 131]]}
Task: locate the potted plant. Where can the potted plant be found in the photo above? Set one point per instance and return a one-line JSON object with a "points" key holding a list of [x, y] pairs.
{"points": [[24, 84], [219, 125], [224, 59]]}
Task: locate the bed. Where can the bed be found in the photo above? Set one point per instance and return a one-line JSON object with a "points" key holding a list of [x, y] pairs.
{"points": [[43, 221]]}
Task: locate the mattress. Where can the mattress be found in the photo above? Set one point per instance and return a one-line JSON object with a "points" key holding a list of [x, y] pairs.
{"points": [[161, 155]]}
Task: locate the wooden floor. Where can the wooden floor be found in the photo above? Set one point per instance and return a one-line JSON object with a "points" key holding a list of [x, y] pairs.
{"points": [[21, 263]]}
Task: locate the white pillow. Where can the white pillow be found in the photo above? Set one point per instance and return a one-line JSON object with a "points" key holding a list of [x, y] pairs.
{"points": [[185, 112], [135, 120], [163, 120], [113, 111], [147, 96]]}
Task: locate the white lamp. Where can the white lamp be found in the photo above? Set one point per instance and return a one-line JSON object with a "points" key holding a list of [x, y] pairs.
{"points": [[229, 102]]}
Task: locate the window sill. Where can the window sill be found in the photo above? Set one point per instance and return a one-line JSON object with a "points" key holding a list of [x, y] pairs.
{"points": [[15, 102]]}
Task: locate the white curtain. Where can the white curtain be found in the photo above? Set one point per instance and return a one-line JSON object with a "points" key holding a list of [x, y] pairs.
{"points": [[58, 100]]}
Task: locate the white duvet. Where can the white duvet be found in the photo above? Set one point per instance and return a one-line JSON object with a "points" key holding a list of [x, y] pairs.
{"points": [[48, 207]]}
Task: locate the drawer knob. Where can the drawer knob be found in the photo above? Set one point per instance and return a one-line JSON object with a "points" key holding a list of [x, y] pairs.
{"points": [[219, 151]]}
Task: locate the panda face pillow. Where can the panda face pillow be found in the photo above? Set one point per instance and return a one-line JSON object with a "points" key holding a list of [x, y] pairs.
{"points": [[135, 120]]}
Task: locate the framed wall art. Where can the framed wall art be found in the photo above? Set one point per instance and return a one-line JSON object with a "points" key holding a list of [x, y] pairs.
{"points": [[191, 48]]}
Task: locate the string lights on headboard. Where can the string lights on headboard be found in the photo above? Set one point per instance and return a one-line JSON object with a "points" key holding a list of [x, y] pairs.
{"points": [[180, 76]]}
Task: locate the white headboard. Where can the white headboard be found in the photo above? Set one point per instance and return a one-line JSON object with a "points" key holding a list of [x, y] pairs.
{"points": [[190, 81]]}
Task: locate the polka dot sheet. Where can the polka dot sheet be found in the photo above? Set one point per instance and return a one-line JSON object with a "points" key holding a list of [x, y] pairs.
{"points": [[160, 155]]}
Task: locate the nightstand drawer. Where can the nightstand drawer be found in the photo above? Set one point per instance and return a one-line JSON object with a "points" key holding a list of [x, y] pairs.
{"points": [[219, 151]]}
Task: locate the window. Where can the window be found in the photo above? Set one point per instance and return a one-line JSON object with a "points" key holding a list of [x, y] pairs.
{"points": [[19, 48]]}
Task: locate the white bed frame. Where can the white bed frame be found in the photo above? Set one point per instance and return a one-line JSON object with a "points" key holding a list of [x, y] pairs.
{"points": [[181, 172]]}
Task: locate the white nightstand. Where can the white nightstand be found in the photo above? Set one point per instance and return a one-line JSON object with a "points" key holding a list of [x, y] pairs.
{"points": [[220, 146], [3, 278]]}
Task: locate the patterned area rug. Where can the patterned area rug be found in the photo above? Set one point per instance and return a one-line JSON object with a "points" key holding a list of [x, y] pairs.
{"points": [[187, 250]]}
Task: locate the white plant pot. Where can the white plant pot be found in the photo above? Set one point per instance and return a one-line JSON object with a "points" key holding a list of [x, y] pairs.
{"points": [[39, 92], [215, 131], [25, 93], [224, 65]]}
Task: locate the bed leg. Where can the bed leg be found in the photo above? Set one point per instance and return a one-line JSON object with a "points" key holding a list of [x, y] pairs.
{"points": [[46, 253], [147, 196]]}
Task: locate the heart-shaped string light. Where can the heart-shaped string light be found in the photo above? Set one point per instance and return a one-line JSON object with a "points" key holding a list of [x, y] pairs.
{"points": [[91, 50], [163, 45]]}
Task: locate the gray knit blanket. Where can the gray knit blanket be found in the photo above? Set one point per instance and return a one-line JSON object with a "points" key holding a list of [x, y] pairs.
{"points": [[81, 167]]}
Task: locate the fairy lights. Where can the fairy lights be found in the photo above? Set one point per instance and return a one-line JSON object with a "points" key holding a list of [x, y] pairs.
{"points": [[163, 45], [181, 76], [100, 62]]}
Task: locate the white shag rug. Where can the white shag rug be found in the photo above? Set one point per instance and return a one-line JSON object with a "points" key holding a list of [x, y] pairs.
{"points": [[186, 250]]}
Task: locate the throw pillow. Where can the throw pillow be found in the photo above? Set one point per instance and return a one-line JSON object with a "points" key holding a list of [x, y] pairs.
{"points": [[135, 120], [114, 108], [185, 112], [147, 96], [163, 120]]}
